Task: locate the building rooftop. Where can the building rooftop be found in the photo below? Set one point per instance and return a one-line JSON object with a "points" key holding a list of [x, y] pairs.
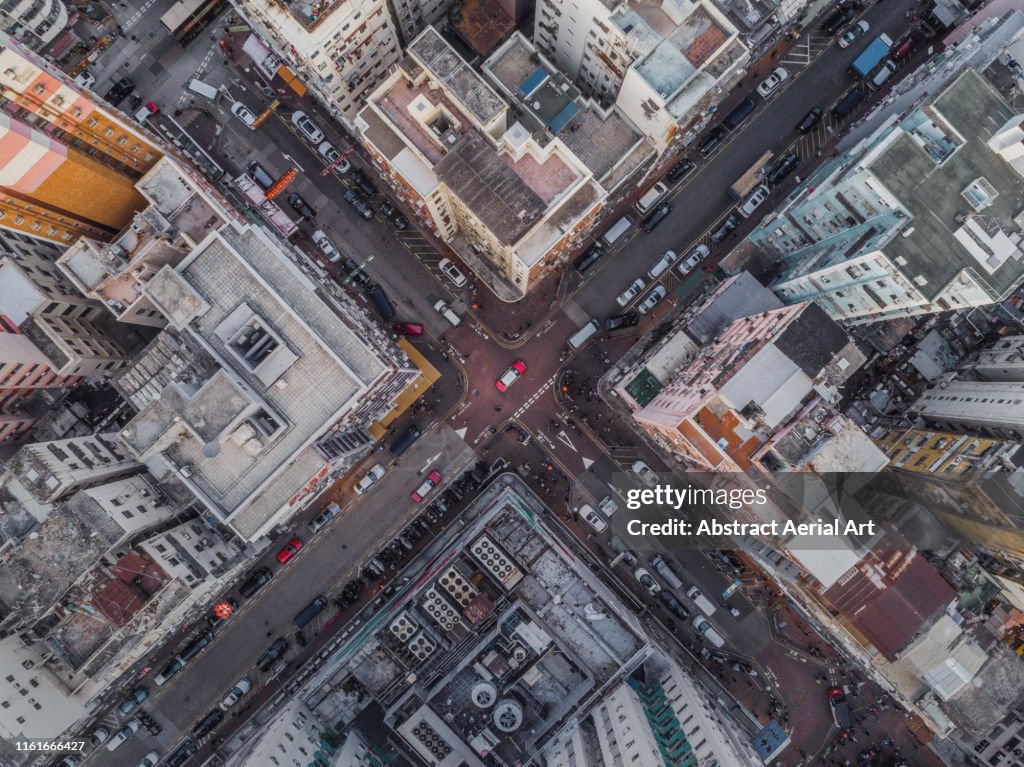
{"points": [[447, 67], [739, 296], [483, 25], [291, 368], [975, 111]]}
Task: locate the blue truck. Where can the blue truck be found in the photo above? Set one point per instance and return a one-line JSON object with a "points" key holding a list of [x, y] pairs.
{"points": [[871, 56]]}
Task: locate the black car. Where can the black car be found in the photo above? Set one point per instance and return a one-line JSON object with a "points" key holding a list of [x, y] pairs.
{"points": [[357, 201], [591, 257], [359, 277], [713, 139], [619, 321], [362, 181], [180, 754], [839, 19], [811, 119], [273, 653], [727, 227], [193, 648], [256, 581], [211, 720], [394, 215], [120, 90], [301, 206], [658, 215], [783, 168], [673, 605], [680, 170]]}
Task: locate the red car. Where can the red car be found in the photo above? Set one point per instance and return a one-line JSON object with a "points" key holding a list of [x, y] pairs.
{"points": [[294, 547], [421, 492], [511, 375], [408, 329]]}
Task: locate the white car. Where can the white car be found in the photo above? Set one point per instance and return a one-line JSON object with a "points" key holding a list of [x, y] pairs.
{"points": [[631, 292], [753, 202], [772, 82], [707, 631], [608, 506], [697, 255], [853, 34], [243, 113], [85, 79], [451, 271], [131, 727], [242, 686], [374, 473], [149, 760], [647, 581], [323, 242], [646, 473], [652, 299], [332, 154], [307, 127], [587, 513]]}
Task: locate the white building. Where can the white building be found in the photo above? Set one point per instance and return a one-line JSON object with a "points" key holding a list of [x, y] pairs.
{"points": [[1001, 361], [32, 703], [53, 470], [663, 64], [189, 552], [990, 408]]}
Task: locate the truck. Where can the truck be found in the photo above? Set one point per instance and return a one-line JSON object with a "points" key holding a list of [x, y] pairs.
{"points": [[746, 183], [871, 56], [702, 602], [662, 568]]}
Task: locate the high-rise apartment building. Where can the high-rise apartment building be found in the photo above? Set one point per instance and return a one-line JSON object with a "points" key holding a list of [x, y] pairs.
{"points": [[34, 24], [511, 183], [922, 216], [663, 63], [67, 164]]}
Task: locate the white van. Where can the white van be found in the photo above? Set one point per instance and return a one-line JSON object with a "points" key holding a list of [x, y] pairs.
{"points": [[882, 75], [446, 311], [662, 265], [580, 336], [701, 601], [707, 631], [451, 271], [651, 197], [618, 229], [753, 201], [198, 86]]}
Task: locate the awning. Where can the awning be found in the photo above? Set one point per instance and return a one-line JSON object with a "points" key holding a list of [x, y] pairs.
{"points": [[62, 44], [291, 80]]}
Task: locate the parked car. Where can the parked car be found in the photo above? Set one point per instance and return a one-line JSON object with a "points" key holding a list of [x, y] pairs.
{"points": [[837, 20], [905, 47], [180, 755], [631, 292], [371, 476], [608, 506], [673, 605], [620, 321], [320, 520], [255, 582], [242, 686], [293, 547], [847, 104], [432, 480], [811, 119], [243, 113], [355, 272], [98, 736], [647, 580], [696, 255], [652, 299], [362, 181], [680, 170], [783, 168], [754, 201], [772, 82], [451, 271], [307, 127], [510, 376], [394, 215], [656, 216], [119, 91], [712, 140], [408, 329], [130, 728], [591, 257], [208, 723], [323, 242], [301, 207], [646, 474], [592, 518], [707, 631], [133, 701], [272, 653], [725, 228], [357, 201], [853, 34], [173, 667], [150, 760], [332, 154]]}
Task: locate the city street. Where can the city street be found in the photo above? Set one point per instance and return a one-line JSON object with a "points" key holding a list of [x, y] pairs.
{"points": [[549, 423]]}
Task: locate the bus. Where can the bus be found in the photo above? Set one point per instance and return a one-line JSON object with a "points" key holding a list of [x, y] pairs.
{"points": [[187, 18], [746, 183]]}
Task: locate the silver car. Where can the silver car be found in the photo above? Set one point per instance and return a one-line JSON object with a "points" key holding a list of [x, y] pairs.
{"points": [[307, 127], [242, 686], [652, 299]]}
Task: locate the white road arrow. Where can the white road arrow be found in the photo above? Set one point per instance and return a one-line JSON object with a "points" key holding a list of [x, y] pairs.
{"points": [[462, 432], [563, 437]]}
